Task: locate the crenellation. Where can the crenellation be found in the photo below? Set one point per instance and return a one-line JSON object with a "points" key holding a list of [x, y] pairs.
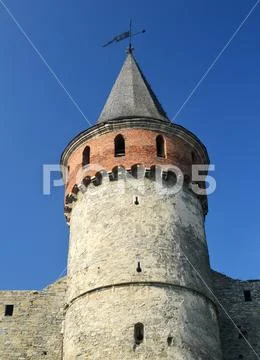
{"points": [[163, 175]]}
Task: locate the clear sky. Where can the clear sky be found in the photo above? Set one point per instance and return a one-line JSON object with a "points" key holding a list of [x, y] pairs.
{"points": [[38, 119]]}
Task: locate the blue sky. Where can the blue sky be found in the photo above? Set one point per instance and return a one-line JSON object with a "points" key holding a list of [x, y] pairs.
{"points": [[38, 119]]}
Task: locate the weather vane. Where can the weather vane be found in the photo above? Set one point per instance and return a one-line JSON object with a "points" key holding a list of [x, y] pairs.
{"points": [[125, 35]]}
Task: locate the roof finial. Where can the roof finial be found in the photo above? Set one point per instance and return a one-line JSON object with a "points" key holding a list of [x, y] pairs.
{"points": [[130, 48], [128, 34]]}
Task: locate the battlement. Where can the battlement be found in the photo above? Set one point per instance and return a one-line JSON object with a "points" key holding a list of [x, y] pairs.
{"points": [[164, 176]]}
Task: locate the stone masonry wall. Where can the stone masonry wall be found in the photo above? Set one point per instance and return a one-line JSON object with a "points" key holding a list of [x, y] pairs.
{"points": [[109, 234], [33, 332], [178, 325], [245, 314]]}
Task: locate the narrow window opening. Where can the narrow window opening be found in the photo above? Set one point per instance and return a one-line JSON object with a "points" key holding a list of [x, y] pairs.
{"points": [[9, 309], [136, 202], [139, 269], [169, 340], [193, 156], [139, 333], [160, 146], [119, 145], [247, 295], [86, 156]]}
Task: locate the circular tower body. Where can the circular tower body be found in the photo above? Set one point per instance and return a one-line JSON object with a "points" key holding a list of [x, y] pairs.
{"points": [[138, 267]]}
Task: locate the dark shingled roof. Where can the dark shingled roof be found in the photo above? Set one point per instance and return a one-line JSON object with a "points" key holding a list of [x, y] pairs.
{"points": [[132, 96]]}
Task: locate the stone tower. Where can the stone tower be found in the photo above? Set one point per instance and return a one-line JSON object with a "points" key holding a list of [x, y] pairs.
{"points": [[138, 258]]}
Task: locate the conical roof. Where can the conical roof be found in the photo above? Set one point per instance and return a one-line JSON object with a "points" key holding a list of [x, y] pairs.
{"points": [[132, 96]]}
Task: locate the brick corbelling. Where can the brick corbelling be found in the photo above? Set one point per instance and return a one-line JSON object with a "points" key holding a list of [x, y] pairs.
{"points": [[167, 178], [140, 146]]}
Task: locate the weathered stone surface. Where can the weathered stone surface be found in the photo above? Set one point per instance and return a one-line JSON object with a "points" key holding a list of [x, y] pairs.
{"points": [[164, 232], [35, 330], [238, 314], [101, 325]]}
